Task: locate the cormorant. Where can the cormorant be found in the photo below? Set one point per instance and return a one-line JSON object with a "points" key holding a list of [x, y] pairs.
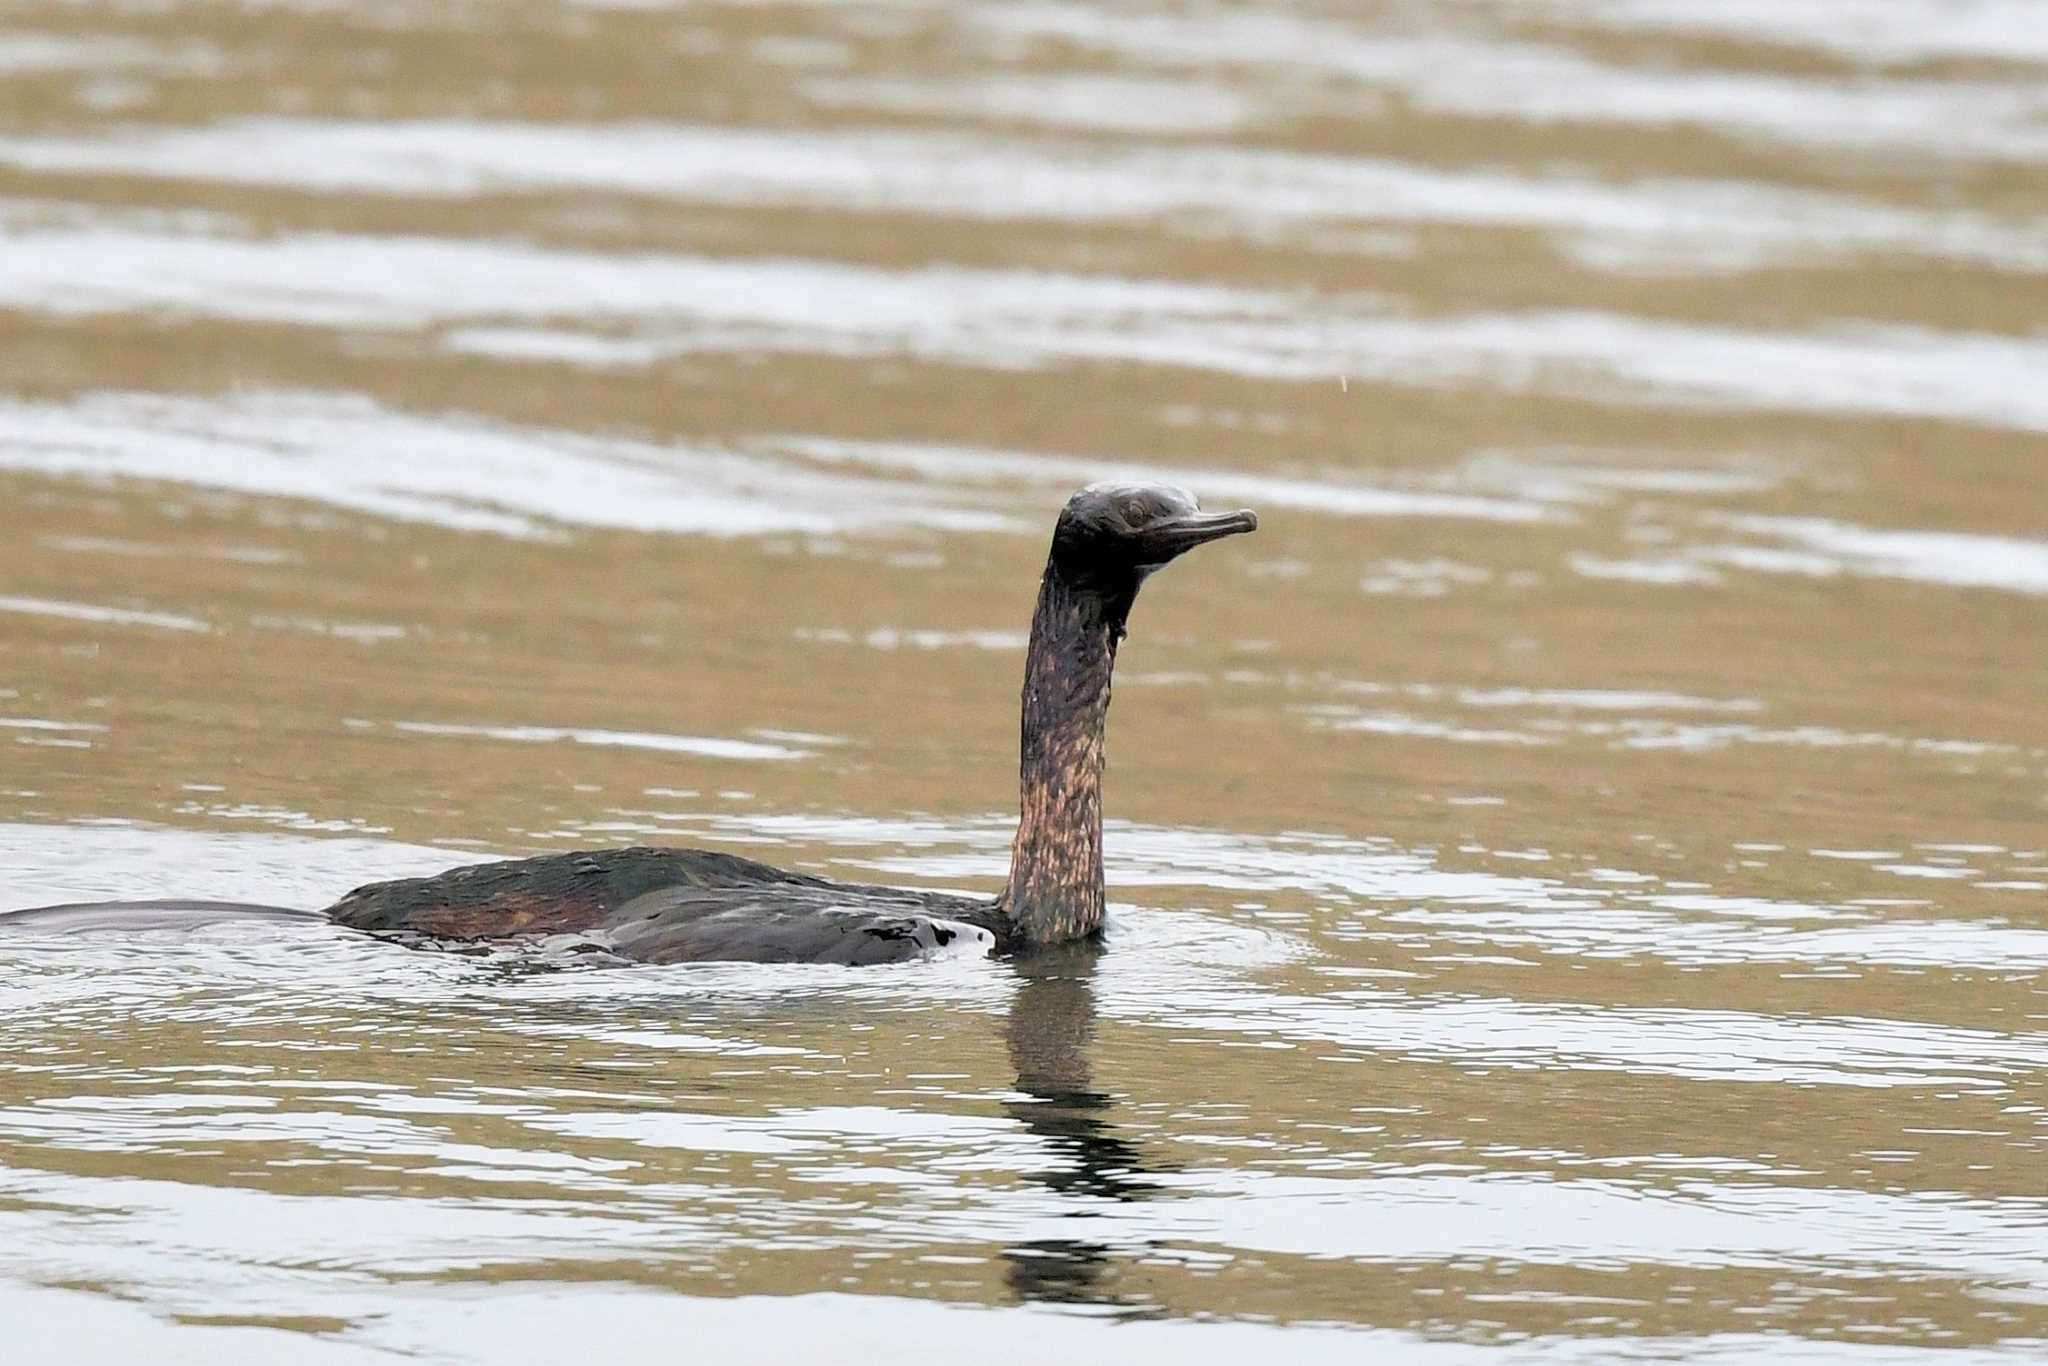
{"points": [[660, 905]]}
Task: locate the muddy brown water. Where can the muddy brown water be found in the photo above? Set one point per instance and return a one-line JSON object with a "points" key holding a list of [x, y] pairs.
{"points": [[1579, 873]]}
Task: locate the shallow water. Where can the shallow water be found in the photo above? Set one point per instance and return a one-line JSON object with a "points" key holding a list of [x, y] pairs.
{"points": [[1579, 873]]}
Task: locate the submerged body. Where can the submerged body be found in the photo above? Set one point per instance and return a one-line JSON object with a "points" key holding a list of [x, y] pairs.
{"points": [[694, 905], [677, 906]]}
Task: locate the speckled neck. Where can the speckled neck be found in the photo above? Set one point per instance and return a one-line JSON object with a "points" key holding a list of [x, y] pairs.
{"points": [[1055, 888]]}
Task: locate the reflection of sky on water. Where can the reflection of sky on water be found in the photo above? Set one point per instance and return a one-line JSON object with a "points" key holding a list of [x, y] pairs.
{"points": [[604, 1168], [1994, 118], [1205, 191], [510, 301]]}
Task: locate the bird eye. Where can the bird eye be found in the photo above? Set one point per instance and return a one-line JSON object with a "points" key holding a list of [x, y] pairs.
{"points": [[1134, 512]]}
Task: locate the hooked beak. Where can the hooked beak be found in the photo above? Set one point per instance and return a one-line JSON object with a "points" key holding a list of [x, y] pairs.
{"points": [[1163, 541]]}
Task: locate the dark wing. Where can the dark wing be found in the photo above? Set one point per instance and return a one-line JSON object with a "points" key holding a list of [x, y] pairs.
{"points": [[552, 894], [675, 906], [834, 924]]}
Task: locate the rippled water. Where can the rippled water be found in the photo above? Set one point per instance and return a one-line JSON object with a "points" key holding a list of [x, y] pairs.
{"points": [[1579, 873]]}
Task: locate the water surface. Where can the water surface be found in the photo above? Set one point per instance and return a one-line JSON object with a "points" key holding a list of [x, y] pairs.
{"points": [[1579, 873]]}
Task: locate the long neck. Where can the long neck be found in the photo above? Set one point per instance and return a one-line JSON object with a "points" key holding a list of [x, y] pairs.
{"points": [[1055, 887]]}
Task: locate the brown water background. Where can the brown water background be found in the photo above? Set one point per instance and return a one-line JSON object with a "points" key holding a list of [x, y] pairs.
{"points": [[1579, 873]]}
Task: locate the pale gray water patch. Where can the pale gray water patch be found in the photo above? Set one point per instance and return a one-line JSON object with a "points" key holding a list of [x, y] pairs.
{"points": [[703, 746], [1420, 578], [1704, 738], [1336, 717], [1601, 700], [681, 305], [840, 1130], [1966, 377], [559, 1320], [1573, 477], [1531, 83], [133, 1125], [452, 470], [928, 1333], [976, 465], [1899, 371], [361, 632], [98, 614], [39, 724], [1700, 1223], [892, 638], [1885, 31], [20, 215], [1703, 931], [1561, 717], [1951, 558], [283, 817], [202, 1249], [118, 861], [1261, 194], [1686, 1044], [81, 1325], [1644, 733], [1098, 101], [1660, 573], [943, 1149], [110, 545], [551, 346], [28, 53], [1924, 870]]}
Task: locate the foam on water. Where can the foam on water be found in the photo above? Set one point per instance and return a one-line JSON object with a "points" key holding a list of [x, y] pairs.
{"points": [[1453, 74], [1259, 194], [347, 451], [703, 746], [101, 615], [679, 305], [27, 53], [1070, 100], [1952, 558], [1904, 31], [451, 470], [970, 465], [122, 861], [1819, 548]]}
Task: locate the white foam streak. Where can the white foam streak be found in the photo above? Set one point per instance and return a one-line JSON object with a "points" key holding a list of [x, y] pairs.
{"points": [[1873, 30], [1122, 104], [704, 746], [677, 305], [1956, 559], [1255, 193], [452, 471], [24, 53], [975, 465], [116, 860], [94, 612], [1698, 1045], [1529, 83]]}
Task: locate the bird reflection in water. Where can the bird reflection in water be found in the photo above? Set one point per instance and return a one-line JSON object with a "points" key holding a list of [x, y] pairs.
{"points": [[1051, 1029]]}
